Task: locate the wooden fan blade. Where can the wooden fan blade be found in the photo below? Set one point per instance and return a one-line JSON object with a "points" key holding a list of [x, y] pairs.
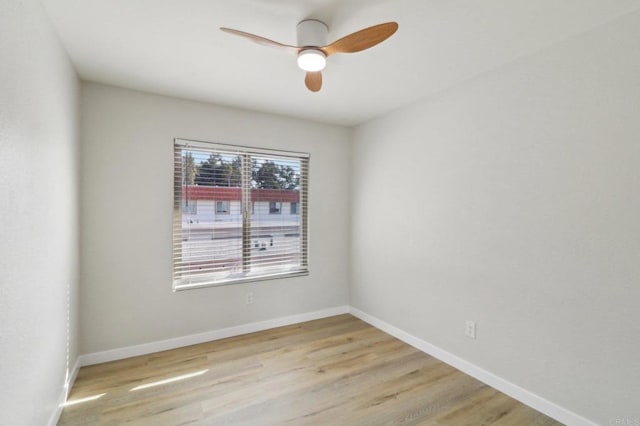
{"points": [[261, 40], [313, 80], [363, 39]]}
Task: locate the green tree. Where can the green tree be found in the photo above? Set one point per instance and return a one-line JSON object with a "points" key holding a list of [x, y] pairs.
{"points": [[207, 171], [270, 175], [288, 177], [266, 176], [216, 171], [235, 173], [189, 169]]}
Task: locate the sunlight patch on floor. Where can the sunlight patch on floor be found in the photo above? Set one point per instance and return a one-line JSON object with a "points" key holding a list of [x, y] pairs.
{"points": [[81, 400], [170, 380]]}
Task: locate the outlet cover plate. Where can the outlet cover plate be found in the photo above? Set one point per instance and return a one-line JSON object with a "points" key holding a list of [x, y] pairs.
{"points": [[470, 329]]}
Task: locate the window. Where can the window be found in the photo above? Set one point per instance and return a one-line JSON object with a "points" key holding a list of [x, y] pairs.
{"points": [[257, 242], [222, 207], [275, 207], [188, 207], [294, 208]]}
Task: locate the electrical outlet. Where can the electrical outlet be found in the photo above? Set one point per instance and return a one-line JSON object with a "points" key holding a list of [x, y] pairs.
{"points": [[249, 298], [470, 329]]}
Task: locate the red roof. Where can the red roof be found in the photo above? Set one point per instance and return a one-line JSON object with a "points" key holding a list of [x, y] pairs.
{"points": [[222, 193]]}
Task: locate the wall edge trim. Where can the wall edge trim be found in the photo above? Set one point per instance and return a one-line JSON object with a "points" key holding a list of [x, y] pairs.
{"points": [[208, 336], [525, 396], [529, 398], [64, 394]]}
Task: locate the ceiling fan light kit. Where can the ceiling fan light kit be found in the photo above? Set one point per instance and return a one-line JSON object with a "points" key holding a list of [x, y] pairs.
{"points": [[312, 60], [312, 48], [310, 34]]}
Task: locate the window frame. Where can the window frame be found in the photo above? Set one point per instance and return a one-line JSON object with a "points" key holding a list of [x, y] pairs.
{"points": [[247, 211], [277, 209], [224, 212]]}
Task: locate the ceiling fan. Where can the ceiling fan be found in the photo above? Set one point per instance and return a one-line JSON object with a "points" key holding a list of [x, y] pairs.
{"points": [[313, 50]]}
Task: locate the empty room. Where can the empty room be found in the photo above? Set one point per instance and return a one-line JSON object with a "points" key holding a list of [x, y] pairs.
{"points": [[320, 212]]}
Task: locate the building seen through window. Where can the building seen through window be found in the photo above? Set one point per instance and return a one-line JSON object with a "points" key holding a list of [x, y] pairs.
{"points": [[217, 240]]}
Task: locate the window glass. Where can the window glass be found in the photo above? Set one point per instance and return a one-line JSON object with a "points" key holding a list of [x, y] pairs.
{"points": [[275, 207], [217, 242], [222, 207]]}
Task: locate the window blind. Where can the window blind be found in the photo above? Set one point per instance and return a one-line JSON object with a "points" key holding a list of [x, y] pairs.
{"points": [[240, 214]]}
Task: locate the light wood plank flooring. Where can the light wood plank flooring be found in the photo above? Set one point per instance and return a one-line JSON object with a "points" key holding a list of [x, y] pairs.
{"points": [[333, 371]]}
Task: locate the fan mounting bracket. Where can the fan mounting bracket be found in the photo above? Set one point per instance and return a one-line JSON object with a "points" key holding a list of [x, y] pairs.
{"points": [[312, 33]]}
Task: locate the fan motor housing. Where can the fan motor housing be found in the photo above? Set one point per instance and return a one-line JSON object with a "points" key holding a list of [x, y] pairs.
{"points": [[312, 33]]}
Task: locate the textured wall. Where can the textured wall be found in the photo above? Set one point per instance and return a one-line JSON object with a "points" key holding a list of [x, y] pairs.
{"points": [[512, 200], [39, 212], [127, 196]]}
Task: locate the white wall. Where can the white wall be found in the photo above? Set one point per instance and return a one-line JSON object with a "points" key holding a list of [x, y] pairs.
{"points": [[39, 212], [516, 199], [126, 193]]}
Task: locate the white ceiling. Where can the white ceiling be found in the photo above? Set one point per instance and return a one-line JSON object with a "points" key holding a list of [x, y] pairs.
{"points": [[174, 47]]}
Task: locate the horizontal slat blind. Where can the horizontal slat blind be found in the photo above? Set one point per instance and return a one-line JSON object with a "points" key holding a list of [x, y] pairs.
{"points": [[239, 214]]}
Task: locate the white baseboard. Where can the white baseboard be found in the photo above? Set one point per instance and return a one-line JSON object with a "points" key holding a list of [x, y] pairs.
{"points": [[526, 397], [163, 345], [57, 411], [64, 393], [72, 378], [516, 392]]}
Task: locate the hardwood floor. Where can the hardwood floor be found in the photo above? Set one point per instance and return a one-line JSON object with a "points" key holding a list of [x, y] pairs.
{"points": [[333, 371]]}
